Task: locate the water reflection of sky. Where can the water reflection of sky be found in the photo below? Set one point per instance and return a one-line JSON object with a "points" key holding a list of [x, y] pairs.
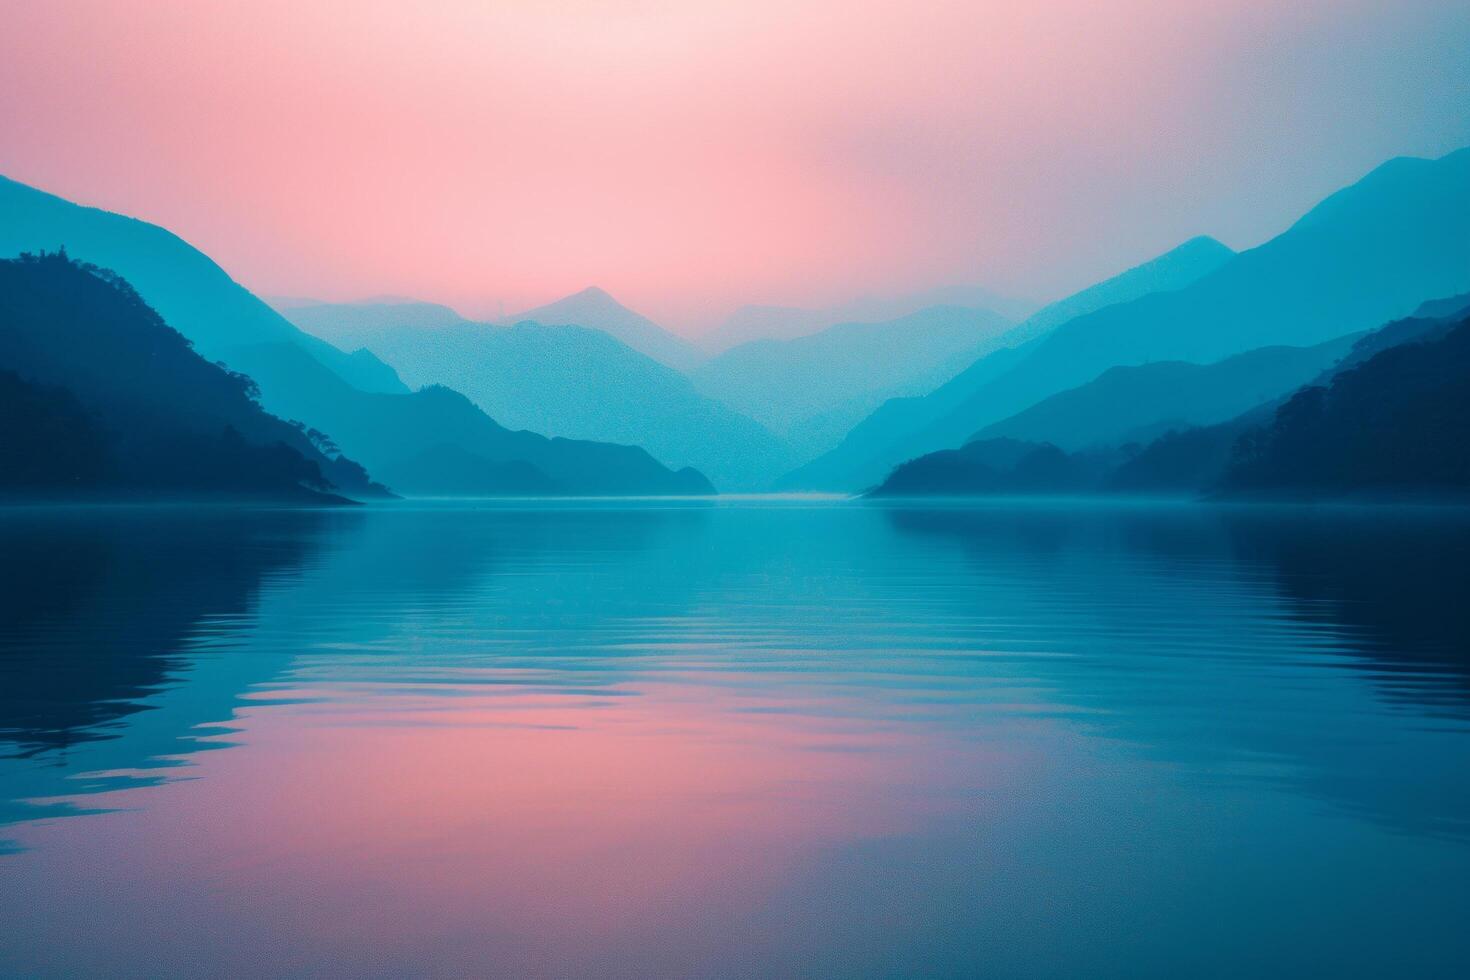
{"points": [[795, 738]]}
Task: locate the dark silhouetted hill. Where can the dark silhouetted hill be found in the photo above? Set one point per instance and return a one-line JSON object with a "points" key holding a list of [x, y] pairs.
{"points": [[102, 398], [1186, 462], [1195, 460], [49, 442], [1398, 424], [1389, 419], [998, 467]]}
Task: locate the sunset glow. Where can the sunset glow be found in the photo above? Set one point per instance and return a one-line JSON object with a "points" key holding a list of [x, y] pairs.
{"points": [[690, 157]]}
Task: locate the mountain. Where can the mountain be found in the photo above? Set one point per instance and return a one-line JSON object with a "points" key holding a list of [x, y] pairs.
{"points": [[1137, 404], [1365, 255], [1185, 462], [1175, 269], [99, 397], [1391, 418], [752, 323], [391, 435], [279, 303], [564, 380], [334, 321], [1446, 307], [1192, 460], [190, 292], [447, 470], [872, 446], [755, 323], [302, 377], [810, 390], [999, 467], [594, 308], [1398, 424]]}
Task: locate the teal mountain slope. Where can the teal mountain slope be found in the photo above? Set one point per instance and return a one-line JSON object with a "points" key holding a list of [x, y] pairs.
{"points": [[1175, 269], [887, 435], [392, 434], [338, 322], [594, 308], [1365, 255], [750, 323], [192, 294], [302, 377], [568, 381], [1137, 404], [1446, 307], [1391, 418], [811, 389], [1191, 460]]}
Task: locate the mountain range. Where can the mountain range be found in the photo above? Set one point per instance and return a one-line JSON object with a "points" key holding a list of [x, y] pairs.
{"points": [[810, 390], [571, 380], [1365, 255], [754, 323], [1138, 403], [743, 417], [355, 398], [1388, 417], [1394, 425], [1147, 379], [897, 429]]}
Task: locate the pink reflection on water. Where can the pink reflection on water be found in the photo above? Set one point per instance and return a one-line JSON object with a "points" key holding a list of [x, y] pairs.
{"points": [[534, 832]]}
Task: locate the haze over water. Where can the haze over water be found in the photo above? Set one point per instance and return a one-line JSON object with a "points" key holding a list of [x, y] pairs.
{"points": [[734, 738]]}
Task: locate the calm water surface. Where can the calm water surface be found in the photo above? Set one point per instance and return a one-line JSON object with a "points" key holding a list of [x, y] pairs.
{"points": [[734, 739]]}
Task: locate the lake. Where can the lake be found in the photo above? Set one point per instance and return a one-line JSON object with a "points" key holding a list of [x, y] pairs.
{"points": [[735, 738]]}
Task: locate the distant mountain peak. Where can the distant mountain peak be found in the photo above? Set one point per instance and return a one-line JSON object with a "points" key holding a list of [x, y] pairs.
{"points": [[591, 301], [595, 293], [1202, 243], [596, 308]]}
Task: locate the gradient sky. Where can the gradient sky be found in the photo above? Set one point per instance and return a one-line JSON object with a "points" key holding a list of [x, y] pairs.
{"points": [[692, 156]]}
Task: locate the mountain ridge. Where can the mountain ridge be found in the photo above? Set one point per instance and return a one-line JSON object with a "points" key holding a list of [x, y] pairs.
{"points": [[573, 381], [811, 389], [1368, 253], [874, 443], [595, 307], [300, 376]]}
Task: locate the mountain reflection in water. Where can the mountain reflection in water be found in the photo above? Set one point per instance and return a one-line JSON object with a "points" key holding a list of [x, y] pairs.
{"points": [[734, 738]]}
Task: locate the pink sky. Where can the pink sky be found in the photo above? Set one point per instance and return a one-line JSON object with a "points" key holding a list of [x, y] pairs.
{"points": [[690, 157]]}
